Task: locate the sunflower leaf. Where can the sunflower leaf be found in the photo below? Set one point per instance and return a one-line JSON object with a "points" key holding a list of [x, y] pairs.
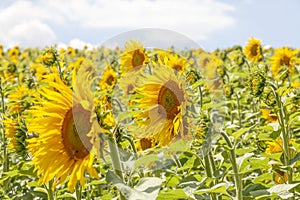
{"points": [[146, 188]]}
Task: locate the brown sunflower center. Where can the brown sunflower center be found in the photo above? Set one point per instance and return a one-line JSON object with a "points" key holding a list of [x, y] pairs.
{"points": [[170, 97], [177, 67], [138, 58], [145, 143], [254, 50], [75, 127], [110, 80], [285, 61]]}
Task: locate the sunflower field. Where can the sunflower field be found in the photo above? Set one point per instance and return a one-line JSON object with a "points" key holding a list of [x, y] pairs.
{"points": [[147, 123]]}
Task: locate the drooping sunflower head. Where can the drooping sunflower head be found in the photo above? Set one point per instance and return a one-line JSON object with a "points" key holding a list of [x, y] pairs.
{"points": [[253, 50], [161, 98], [63, 121], [133, 56], [283, 60]]}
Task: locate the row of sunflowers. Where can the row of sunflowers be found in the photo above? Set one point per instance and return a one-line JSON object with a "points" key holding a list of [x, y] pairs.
{"points": [[136, 123]]}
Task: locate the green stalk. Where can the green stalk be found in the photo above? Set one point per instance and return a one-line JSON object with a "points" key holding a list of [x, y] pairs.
{"points": [[209, 173], [201, 97], [132, 146], [285, 133], [78, 191], [5, 154], [59, 67], [49, 191], [213, 166], [238, 109], [237, 176], [115, 157]]}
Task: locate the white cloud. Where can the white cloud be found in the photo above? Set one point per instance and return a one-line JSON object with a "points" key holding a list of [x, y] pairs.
{"points": [[79, 44], [23, 24], [33, 33], [194, 18]]}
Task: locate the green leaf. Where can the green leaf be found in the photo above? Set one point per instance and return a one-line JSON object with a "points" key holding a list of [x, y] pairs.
{"points": [[40, 189], [263, 178], [219, 188], [260, 193], [282, 190], [128, 114], [172, 195], [240, 160], [147, 187], [66, 195], [295, 158], [179, 145], [172, 181], [240, 132], [145, 160]]}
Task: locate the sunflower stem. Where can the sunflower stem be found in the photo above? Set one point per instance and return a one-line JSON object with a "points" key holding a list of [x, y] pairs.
{"points": [[132, 145], [201, 97], [237, 176], [50, 191], [238, 109], [285, 133], [115, 157], [209, 174], [78, 191], [5, 155], [59, 67]]}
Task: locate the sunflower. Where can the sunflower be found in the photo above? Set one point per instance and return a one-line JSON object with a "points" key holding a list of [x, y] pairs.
{"points": [[277, 146], [162, 100], [143, 144], [268, 115], [253, 50], [19, 99], [63, 121], [108, 79], [133, 56], [175, 61], [274, 146], [10, 127], [283, 58]]}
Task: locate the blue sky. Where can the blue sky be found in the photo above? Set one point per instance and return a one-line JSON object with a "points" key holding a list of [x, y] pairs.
{"points": [[210, 23]]}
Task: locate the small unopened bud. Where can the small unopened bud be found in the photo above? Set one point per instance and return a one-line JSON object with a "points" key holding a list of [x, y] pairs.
{"points": [[221, 70], [256, 83], [228, 90], [49, 56]]}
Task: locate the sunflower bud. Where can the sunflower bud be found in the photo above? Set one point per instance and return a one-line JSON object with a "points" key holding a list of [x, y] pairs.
{"points": [[228, 90], [268, 97], [223, 55], [221, 70], [49, 56], [239, 59], [192, 76], [256, 83], [11, 68]]}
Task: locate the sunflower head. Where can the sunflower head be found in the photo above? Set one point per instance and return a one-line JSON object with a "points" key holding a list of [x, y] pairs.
{"points": [[161, 100], [64, 121], [109, 79], [253, 50], [283, 61], [133, 56], [175, 61], [143, 144]]}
